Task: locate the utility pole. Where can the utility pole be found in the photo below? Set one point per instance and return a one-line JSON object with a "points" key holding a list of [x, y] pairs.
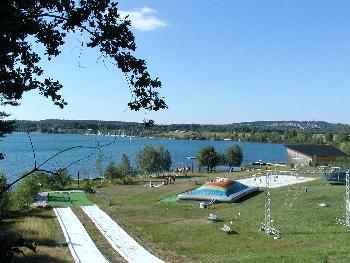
{"points": [[345, 220], [78, 179], [267, 225]]}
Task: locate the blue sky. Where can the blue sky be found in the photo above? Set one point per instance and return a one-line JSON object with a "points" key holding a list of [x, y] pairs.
{"points": [[219, 61]]}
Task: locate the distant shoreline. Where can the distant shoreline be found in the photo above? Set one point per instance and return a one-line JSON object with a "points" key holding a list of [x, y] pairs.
{"points": [[282, 132]]}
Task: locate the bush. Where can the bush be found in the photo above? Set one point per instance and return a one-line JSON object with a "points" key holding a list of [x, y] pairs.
{"points": [[124, 181], [127, 180], [165, 159], [59, 180], [43, 180], [4, 197], [345, 147], [113, 172], [88, 186], [125, 167], [25, 192]]}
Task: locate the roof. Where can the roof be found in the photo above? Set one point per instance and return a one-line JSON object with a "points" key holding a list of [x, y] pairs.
{"points": [[315, 149]]}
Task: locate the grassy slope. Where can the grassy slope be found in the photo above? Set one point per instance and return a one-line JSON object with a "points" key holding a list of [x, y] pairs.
{"points": [[42, 227], [181, 233]]}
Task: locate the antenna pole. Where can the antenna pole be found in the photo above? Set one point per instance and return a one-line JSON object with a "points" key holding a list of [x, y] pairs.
{"points": [[267, 225]]}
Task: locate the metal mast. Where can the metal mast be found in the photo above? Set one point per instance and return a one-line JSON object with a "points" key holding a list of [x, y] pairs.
{"points": [[345, 220], [268, 202], [267, 225]]}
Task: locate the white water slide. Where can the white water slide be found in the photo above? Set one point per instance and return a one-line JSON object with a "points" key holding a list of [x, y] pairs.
{"points": [[81, 246], [120, 240]]}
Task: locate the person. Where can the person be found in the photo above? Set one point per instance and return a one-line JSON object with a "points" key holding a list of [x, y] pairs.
{"points": [[2, 156]]}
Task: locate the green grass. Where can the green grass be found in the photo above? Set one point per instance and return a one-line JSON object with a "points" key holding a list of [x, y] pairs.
{"points": [[76, 199], [180, 232]]}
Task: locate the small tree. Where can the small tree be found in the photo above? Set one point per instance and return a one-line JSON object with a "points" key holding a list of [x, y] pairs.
{"points": [[208, 157], [148, 160], [154, 160], [99, 159], [125, 166], [234, 156], [112, 171], [165, 159], [59, 180], [26, 191]]}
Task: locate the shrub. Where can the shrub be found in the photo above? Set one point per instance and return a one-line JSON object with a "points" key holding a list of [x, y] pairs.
{"points": [[4, 197], [25, 192], [125, 166], [127, 180], [113, 172], [88, 186], [59, 180]]}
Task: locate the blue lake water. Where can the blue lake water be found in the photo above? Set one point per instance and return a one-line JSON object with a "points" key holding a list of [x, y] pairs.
{"points": [[19, 156]]}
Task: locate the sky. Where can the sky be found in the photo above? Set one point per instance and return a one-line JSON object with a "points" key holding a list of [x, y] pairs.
{"points": [[220, 61]]}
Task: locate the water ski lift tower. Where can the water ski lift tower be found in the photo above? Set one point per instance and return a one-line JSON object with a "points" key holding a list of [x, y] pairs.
{"points": [[345, 220], [267, 226]]}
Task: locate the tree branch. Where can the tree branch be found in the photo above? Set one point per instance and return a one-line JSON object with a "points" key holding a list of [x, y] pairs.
{"points": [[33, 150], [66, 19], [39, 169]]}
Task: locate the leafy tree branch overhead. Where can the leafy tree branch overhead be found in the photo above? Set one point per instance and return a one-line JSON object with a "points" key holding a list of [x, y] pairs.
{"points": [[48, 22]]}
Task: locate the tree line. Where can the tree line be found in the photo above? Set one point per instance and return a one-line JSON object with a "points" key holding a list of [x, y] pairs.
{"points": [[326, 133], [210, 158]]}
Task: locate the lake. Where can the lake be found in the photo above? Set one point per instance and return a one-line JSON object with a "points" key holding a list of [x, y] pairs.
{"points": [[19, 156]]}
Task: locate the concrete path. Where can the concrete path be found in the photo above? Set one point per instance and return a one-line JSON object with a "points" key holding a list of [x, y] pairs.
{"points": [[81, 246], [120, 240]]}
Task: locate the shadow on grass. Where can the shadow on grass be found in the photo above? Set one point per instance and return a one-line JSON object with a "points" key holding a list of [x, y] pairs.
{"points": [[37, 259], [51, 243], [248, 196], [14, 248], [233, 232], [35, 212], [304, 233], [11, 237]]}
